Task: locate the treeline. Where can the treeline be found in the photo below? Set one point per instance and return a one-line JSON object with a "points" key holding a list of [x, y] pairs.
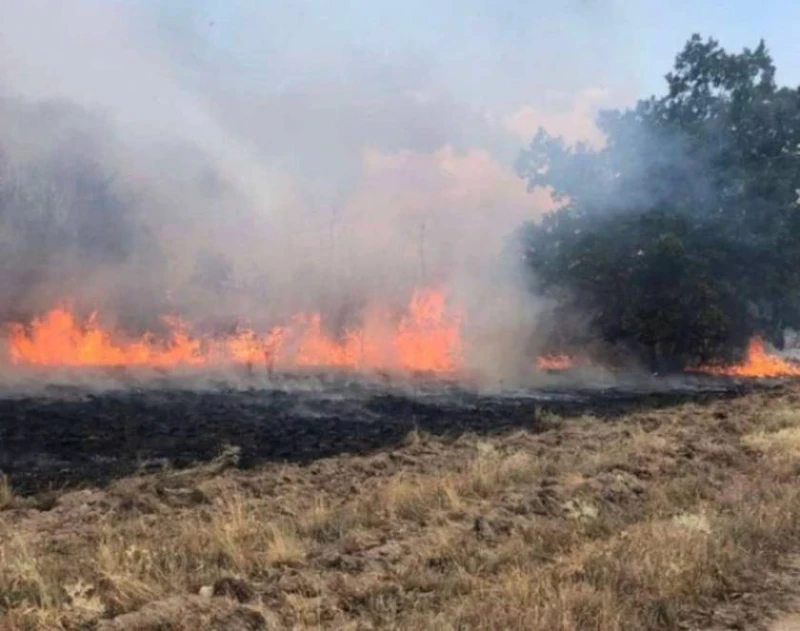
{"points": [[680, 238], [77, 217]]}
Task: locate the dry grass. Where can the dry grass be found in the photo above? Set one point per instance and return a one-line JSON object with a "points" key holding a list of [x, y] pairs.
{"points": [[8, 498], [667, 518]]}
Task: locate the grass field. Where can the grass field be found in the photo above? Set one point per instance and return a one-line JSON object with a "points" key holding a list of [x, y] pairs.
{"points": [[684, 517]]}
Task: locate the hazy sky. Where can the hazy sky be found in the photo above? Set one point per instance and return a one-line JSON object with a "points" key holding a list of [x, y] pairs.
{"points": [[490, 52], [314, 86]]}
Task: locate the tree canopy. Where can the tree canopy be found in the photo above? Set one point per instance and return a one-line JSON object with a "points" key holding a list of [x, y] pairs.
{"points": [[680, 237]]}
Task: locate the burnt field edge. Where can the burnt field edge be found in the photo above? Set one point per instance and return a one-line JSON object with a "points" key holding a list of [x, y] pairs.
{"points": [[74, 438]]}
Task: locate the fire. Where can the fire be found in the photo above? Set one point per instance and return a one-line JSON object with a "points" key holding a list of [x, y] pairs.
{"points": [[757, 363], [555, 362], [426, 339], [59, 339]]}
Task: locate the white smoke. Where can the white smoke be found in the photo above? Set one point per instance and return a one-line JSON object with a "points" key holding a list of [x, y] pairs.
{"points": [[256, 191]]}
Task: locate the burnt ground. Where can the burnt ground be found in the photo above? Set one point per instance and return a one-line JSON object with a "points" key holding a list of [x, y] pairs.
{"points": [[65, 437]]}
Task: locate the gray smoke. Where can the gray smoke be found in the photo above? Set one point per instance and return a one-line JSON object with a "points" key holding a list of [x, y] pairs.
{"points": [[145, 169]]}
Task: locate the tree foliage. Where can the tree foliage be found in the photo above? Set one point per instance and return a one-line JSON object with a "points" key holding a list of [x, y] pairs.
{"points": [[680, 237]]}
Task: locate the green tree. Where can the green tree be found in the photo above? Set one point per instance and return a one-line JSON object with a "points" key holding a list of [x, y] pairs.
{"points": [[681, 236]]}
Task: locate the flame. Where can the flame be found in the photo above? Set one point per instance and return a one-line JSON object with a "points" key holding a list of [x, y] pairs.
{"points": [[426, 339], [555, 362], [58, 339], [757, 363]]}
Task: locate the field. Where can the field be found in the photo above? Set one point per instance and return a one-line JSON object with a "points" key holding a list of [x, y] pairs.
{"points": [[676, 512]]}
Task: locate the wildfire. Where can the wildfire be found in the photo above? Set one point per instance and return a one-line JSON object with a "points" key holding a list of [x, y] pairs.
{"points": [[555, 362], [757, 363], [426, 339]]}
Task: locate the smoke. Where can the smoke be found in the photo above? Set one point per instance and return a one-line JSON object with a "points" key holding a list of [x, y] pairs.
{"points": [[245, 163]]}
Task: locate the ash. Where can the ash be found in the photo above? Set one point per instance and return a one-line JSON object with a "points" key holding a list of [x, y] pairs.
{"points": [[74, 433]]}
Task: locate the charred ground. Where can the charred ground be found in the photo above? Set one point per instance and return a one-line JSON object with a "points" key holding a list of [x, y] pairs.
{"points": [[69, 436]]}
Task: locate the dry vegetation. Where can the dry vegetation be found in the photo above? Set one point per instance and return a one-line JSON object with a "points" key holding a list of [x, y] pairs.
{"points": [[679, 518]]}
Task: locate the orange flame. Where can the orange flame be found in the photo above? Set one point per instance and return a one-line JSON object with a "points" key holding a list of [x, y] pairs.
{"points": [[426, 339], [58, 339], [555, 362], [757, 363]]}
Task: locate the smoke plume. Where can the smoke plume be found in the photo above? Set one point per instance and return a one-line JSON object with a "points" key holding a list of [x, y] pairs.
{"points": [[243, 165]]}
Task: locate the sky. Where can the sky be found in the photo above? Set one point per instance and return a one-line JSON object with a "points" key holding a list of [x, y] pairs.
{"points": [[507, 66], [501, 50], [326, 93]]}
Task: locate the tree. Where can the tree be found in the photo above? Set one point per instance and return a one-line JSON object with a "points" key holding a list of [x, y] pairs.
{"points": [[680, 237]]}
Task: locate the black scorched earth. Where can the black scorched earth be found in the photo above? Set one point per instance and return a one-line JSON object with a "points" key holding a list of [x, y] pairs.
{"points": [[66, 436]]}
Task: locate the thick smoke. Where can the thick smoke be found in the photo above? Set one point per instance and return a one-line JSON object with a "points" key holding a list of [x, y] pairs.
{"points": [[145, 169]]}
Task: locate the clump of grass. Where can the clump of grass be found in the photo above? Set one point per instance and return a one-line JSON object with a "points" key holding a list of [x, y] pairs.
{"points": [[241, 538], [782, 442], [418, 498], [8, 498], [326, 523], [139, 561], [27, 578]]}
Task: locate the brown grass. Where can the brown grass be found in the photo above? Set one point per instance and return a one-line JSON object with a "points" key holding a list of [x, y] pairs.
{"points": [[662, 519], [7, 496]]}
